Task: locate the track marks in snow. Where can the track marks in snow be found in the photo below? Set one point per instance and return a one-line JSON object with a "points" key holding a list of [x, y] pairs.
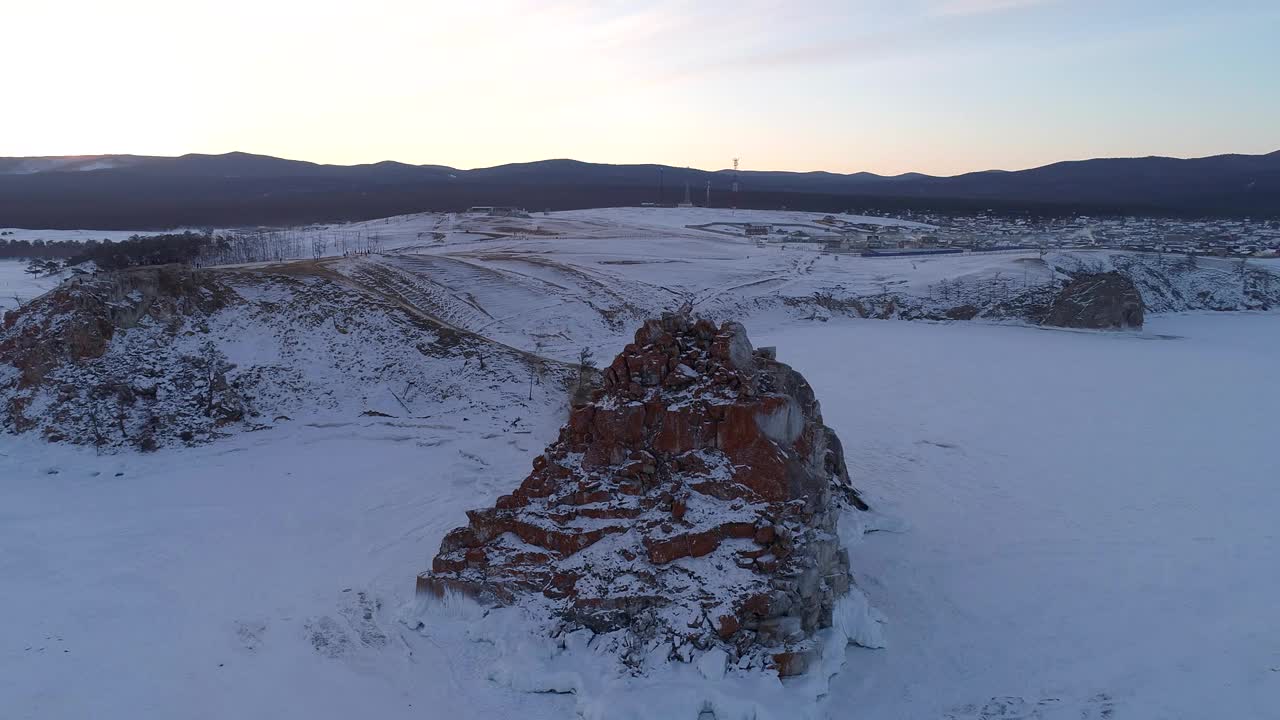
{"points": [[250, 634], [716, 292], [1010, 707], [328, 637], [775, 281], [474, 458], [609, 295], [359, 629], [361, 615]]}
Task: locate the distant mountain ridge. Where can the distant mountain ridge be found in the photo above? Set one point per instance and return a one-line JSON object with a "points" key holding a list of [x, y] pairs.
{"points": [[66, 163], [241, 188]]}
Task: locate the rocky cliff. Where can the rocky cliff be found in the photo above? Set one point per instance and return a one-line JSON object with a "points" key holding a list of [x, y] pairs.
{"points": [[1097, 301], [692, 503]]}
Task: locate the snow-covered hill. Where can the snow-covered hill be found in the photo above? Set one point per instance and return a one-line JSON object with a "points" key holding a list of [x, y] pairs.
{"points": [[552, 286], [66, 163], [150, 357]]}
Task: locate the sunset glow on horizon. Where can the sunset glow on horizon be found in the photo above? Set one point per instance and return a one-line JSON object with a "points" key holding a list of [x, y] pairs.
{"points": [[934, 86]]}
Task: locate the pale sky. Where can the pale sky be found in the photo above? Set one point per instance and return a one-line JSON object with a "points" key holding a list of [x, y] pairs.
{"points": [[889, 86]]}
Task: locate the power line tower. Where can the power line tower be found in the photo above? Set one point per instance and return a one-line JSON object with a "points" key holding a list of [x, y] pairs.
{"points": [[735, 183], [687, 202]]}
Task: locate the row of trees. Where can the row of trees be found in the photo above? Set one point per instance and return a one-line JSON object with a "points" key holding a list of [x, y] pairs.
{"points": [[278, 245], [997, 288], [183, 248], [195, 248], [11, 249], [38, 267]]}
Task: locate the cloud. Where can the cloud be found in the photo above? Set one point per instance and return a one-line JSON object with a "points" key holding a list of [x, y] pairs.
{"points": [[944, 8]]}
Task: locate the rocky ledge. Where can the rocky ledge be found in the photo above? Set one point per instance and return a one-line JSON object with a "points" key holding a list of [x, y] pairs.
{"points": [[691, 504]]}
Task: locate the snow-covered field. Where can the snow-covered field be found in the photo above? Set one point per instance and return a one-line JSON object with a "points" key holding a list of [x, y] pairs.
{"points": [[1091, 516], [18, 286], [668, 219], [436, 232], [554, 295], [73, 235], [553, 283], [1087, 531]]}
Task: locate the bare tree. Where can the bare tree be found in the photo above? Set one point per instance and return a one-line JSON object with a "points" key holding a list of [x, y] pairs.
{"points": [[585, 367], [535, 368], [994, 289], [319, 245], [95, 423]]}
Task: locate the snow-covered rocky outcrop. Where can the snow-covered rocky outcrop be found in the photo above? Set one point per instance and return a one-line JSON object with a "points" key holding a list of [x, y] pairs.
{"points": [[1097, 301], [691, 508], [163, 355], [1178, 283], [1025, 288]]}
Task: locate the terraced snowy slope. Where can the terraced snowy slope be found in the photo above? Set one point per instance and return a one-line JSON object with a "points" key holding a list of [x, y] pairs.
{"points": [[553, 284]]}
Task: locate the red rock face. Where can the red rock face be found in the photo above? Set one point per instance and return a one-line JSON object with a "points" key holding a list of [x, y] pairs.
{"points": [[692, 501]]}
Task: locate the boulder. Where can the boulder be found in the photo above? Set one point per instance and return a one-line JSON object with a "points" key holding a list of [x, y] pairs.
{"points": [[962, 312], [1097, 301], [692, 501]]}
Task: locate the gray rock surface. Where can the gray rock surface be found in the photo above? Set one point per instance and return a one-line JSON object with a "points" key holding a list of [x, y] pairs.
{"points": [[1097, 301]]}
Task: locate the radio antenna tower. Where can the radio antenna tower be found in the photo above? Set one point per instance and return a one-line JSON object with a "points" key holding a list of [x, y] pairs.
{"points": [[687, 202], [735, 183]]}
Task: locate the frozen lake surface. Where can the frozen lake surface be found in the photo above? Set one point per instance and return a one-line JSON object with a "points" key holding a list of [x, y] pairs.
{"points": [[1087, 531]]}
